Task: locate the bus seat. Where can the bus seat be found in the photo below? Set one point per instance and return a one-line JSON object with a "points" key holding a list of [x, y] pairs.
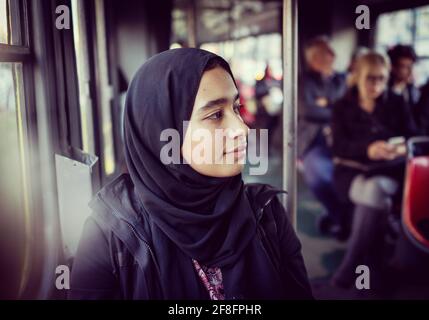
{"points": [[415, 215]]}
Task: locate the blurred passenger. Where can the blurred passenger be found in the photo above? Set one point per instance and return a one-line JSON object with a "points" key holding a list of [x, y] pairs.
{"points": [[401, 82], [269, 98], [423, 110], [352, 65], [320, 88], [369, 167]]}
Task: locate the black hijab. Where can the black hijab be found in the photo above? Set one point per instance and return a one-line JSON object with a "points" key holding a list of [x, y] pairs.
{"points": [[210, 219]]}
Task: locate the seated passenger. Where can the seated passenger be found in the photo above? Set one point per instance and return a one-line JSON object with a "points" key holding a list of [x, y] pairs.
{"points": [[401, 82], [268, 114], [320, 88], [369, 168], [187, 229]]}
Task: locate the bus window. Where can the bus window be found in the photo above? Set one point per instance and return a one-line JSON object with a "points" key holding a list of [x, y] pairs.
{"points": [[94, 77], [15, 197], [80, 32], [105, 90], [3, 22], [13, 186], [414, 33]]}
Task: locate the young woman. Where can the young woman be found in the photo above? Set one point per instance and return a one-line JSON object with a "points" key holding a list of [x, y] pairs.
{"points": [[186, 230], [369, 168]]}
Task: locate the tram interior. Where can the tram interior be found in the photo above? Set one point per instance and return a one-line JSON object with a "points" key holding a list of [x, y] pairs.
{"points": [[62, 95]]}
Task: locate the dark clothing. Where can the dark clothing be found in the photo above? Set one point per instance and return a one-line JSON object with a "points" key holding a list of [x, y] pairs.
{"points": [[263, 86], [123, 254], [354, 129], [311, 117], [264, 118], [411, 96], [422, 110], [313, 146]]}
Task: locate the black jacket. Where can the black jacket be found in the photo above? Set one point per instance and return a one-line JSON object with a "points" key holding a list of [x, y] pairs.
{"points": [[311, 117], [422, 110], [117, 258], [354, 130], [411, 96]]}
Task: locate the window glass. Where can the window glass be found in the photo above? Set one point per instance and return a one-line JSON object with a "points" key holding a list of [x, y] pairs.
{"points": [[3, 22], [14, 196], [83, 75], [409, 27], [388, 33], [10, 130], [422, 32], [105, 90]]}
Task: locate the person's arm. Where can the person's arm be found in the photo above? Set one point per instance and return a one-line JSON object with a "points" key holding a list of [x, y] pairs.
{"points": [[312, 107], [92, 276], [294, 273]]}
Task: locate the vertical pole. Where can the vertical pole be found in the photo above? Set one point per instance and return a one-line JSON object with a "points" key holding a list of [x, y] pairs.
{"points": [[192, 23], [290, 104]]}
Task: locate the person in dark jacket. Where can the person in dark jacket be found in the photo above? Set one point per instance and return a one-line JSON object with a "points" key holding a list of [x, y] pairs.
{"points": [[175, 227], [401, 82], [268, 114], [320, 88], [367, 125], [423, 110]]}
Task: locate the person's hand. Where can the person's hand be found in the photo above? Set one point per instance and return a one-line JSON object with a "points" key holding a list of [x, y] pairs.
{"points": [[401, 150], [399, 145], [322, 102], [381, 150]]}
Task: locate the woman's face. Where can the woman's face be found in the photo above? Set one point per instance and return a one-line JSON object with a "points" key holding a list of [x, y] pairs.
{"points": [[216, 138], [372, 80]]}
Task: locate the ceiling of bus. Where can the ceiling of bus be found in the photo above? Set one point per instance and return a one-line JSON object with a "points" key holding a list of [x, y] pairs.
{"points": [[219, 20]]}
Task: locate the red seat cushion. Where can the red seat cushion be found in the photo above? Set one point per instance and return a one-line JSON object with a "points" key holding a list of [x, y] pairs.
{"points": [[416, 202]]}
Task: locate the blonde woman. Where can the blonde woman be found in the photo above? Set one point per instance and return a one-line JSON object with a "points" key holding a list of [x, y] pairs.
{"points": [[367, 125]]}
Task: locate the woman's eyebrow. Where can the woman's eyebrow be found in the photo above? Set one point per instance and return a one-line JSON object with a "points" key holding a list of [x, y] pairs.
{"points": [[216, 102]]}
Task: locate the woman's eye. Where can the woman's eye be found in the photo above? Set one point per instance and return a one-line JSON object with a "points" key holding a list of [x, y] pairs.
{"points": [[216, 116]]}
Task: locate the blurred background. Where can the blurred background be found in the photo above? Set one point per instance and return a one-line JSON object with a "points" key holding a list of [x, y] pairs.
{"points": [[62, 92]]}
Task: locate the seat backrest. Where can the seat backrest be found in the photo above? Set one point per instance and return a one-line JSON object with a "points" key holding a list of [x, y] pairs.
{"points": [[416, 199]]}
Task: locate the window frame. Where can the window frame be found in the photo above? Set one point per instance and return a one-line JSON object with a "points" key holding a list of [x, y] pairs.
{"points": [[51, 123], [13, 53]]}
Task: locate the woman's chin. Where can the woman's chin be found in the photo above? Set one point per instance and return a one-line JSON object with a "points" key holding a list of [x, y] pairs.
{"points": [[231, 170], [219, 170]]}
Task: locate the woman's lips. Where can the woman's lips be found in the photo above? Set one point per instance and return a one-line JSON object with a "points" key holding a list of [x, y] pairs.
{"points": [[239, 151]]}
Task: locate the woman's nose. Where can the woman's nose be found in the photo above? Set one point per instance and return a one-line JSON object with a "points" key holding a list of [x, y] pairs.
{"points": [[238, 129]]}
